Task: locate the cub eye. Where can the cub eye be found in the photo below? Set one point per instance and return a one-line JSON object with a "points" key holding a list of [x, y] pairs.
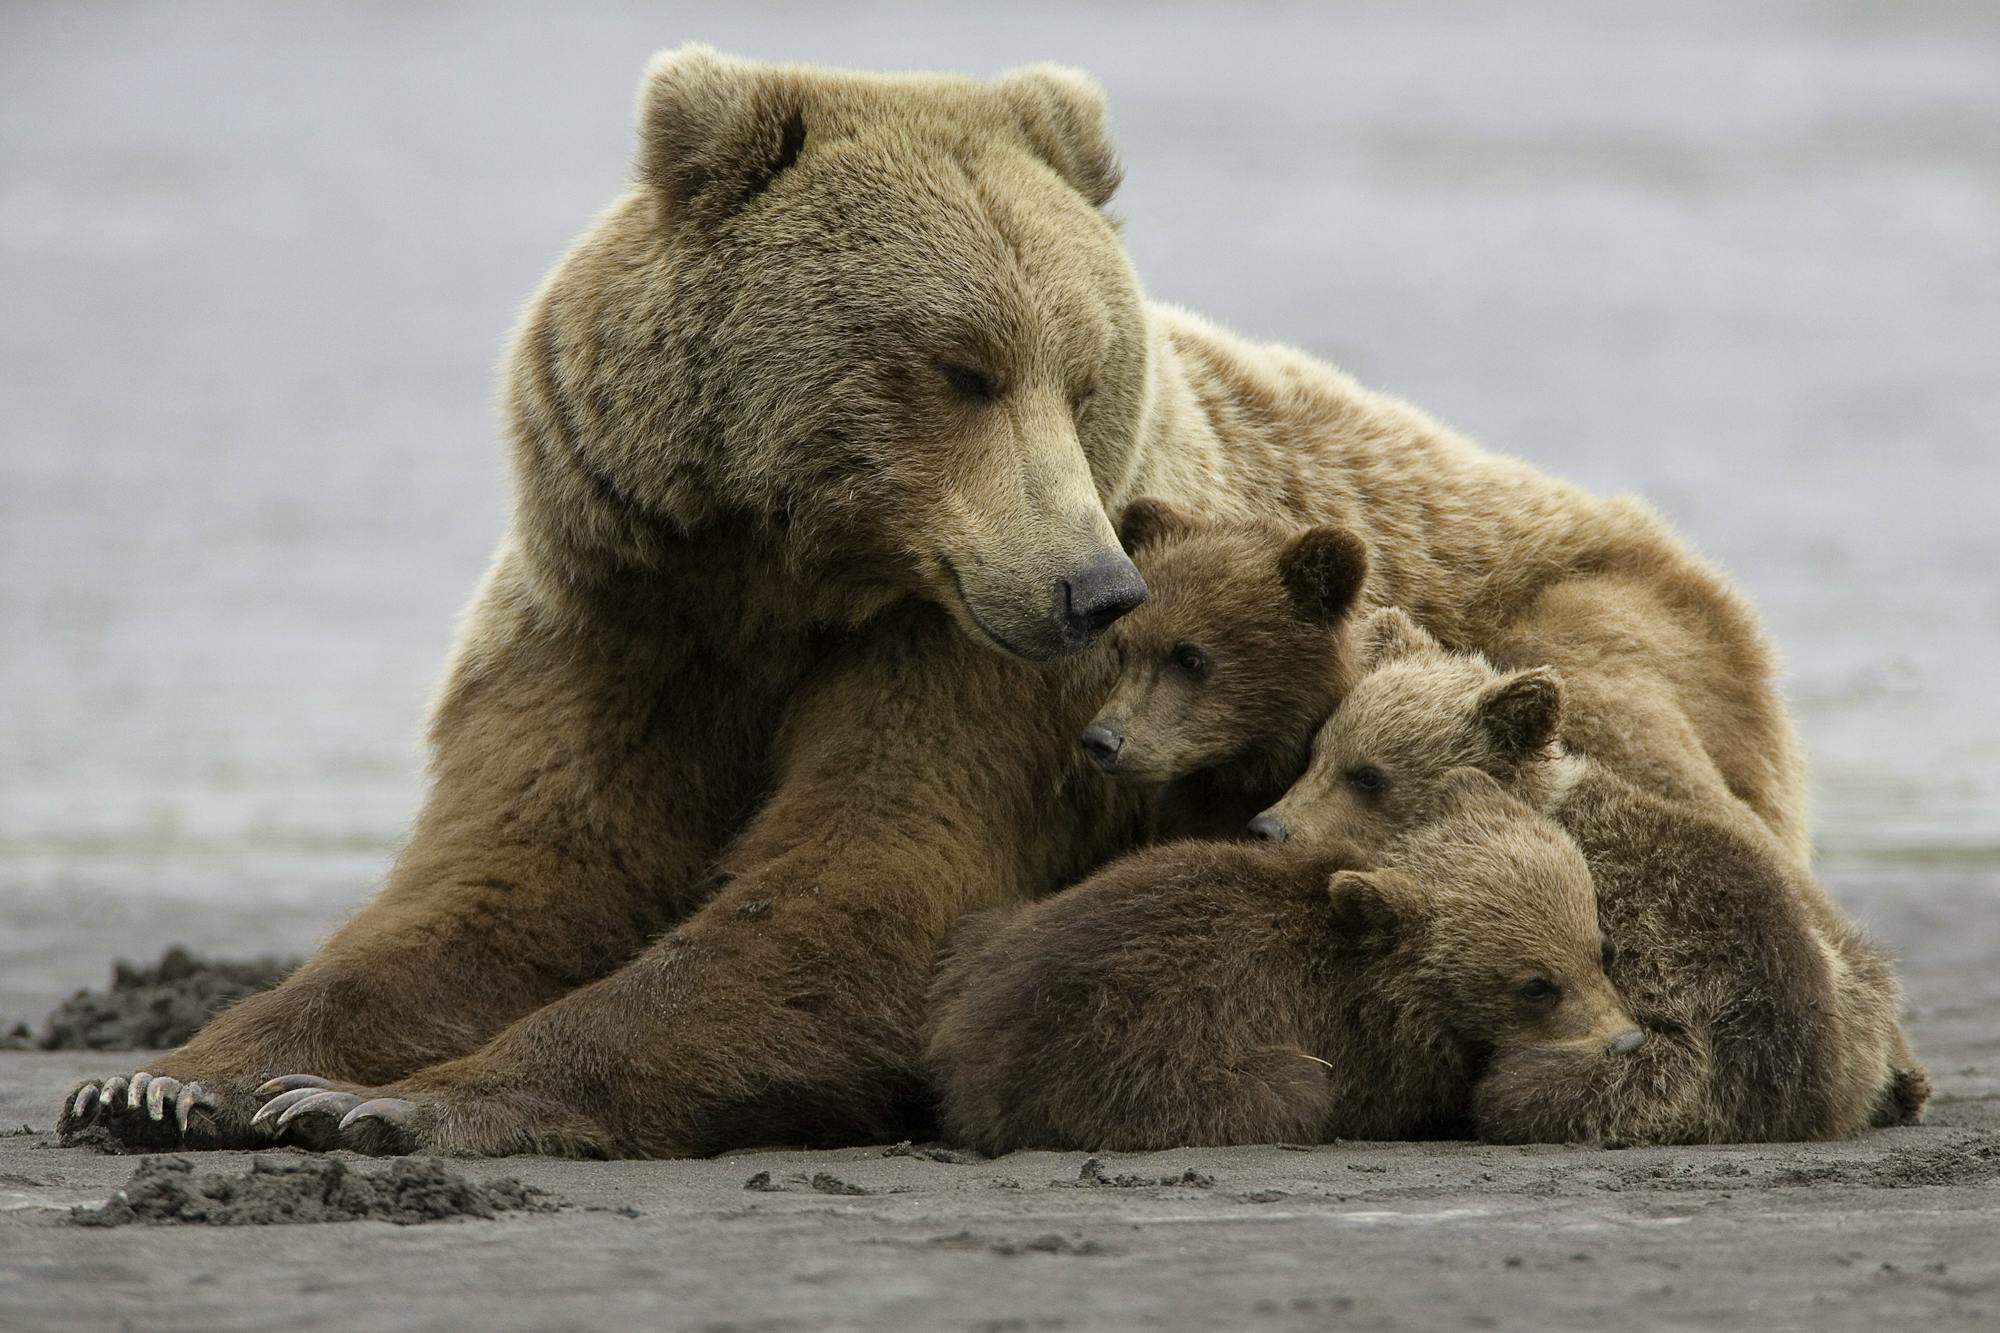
{"points": [[1080, 400], [970, 383], [1540, 992], [1368, 780], [1607, 953], [1190, 658]]}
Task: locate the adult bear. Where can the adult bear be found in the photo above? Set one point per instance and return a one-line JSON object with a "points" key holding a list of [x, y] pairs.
{"points": [[779, 669]]}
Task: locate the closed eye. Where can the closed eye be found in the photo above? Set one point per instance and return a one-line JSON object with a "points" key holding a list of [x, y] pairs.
{"points": [[970, 382]]}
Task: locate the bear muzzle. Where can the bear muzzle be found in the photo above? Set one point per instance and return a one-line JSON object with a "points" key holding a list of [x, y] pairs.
{"points": [[1093, 597]]}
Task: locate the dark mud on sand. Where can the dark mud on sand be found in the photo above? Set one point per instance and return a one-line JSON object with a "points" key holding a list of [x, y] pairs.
{"points": [[147, 1008], [275, 1191]]}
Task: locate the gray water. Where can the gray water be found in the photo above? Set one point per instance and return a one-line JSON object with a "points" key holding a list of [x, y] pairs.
{"points": [[257, 265]]}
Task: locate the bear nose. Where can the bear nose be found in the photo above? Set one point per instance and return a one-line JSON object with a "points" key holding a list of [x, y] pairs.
{"points": [[1626, 1042], [1094, 596], [1269, 828], [1102, 741]]}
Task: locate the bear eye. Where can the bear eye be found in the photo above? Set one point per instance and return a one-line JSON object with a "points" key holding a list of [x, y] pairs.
{"points": [[1607, 953], [970, 383], [1368, 780], [1540, 992], [1190, 658], [1079, 401]]}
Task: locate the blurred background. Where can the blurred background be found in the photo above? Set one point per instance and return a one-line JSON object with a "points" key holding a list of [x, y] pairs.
{"points": [[258, 263]]}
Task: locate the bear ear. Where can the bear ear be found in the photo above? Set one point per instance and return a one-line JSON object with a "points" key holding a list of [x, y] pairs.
{"points": [[1322, 568], [1370, 906], [1061, 110], [1522, 713], [1388, 634], [1145, 521], [714, 133]]}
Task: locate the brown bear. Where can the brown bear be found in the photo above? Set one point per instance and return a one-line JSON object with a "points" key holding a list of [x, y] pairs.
{"points": [[1203, 993], [779, 668], [1239, 652], [1768, 1023]]}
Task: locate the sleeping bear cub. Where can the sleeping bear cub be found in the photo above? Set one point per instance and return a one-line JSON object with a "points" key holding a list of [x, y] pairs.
{"points": [[1223, 993], [1765, 1022]]}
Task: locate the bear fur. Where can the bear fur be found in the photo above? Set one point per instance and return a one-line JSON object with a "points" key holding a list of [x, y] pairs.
{"points": [[1242, 648], [1765, 1023], [779, 667], [1204, 993]]}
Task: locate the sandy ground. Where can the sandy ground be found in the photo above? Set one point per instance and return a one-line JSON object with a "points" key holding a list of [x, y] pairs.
{"points": [[259, 263], [1899, 1229]]}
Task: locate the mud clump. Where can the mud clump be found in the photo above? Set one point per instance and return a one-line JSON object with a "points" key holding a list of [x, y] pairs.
{"points": [[167, 1191], [149, 1008], [1093, 1174], [928, 1152]]}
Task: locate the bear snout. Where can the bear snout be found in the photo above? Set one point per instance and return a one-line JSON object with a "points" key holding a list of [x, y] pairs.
{"points": [[1626, 1042], [1102, 741], [1269, 828], [1090, 599]]}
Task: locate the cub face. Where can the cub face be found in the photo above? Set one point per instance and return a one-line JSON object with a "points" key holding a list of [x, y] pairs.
{"points": [[1496, 906], [1417, 712], [1241, 648]]}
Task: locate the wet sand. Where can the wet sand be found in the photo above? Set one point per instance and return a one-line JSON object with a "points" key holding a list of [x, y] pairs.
{"points": [[1896, 1229]]}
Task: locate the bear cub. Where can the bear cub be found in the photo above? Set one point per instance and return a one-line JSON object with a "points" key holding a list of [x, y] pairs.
{"points": [[1763, 1025], [1207, 993], [1242, 648]]}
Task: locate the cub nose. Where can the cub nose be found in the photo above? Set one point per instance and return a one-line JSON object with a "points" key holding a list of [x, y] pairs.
{"points": [[1626, 1042], [1102, 741], [1269, 828], [1094, 596]]}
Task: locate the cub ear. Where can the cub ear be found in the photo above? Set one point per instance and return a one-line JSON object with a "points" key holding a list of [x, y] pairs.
{"points": [[1147, 520], [1522, 713], [1061, 111], [714, 133], [1322, 568], [1370, 906], [1388, 634]]}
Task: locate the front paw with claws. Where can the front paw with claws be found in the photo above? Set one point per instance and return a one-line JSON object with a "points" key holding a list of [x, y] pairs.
{"points": [[147, 1110], [311, 1112]]}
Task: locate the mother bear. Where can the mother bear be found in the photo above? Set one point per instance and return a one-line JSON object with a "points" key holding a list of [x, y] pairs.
{"points": [[778, 670]]}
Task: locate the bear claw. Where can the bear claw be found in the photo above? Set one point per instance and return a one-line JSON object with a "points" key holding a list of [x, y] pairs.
{"points": [[317, 1102], [392, 1109], [191, 1096], [84, 1109], [268, 1115], [160, 1093], [290, 1083]]}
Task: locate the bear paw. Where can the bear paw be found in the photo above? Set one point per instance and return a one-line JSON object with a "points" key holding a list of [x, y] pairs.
{"points": [[148, 1111]]}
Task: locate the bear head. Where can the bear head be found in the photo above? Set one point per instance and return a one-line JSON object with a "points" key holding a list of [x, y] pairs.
{"points": [[883, 321], [1417, 712], [1491, 914], [1242, 648]]}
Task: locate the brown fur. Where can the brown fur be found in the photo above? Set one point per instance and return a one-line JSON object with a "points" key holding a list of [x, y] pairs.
{"points": [[1241, 650], [1214, 993], [764, 689], [1767, 1020]]}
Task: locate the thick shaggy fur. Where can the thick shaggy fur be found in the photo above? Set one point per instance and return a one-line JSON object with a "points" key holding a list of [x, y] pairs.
{"points": [[764, 689], [1217, 993], [1767, 1020]]}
